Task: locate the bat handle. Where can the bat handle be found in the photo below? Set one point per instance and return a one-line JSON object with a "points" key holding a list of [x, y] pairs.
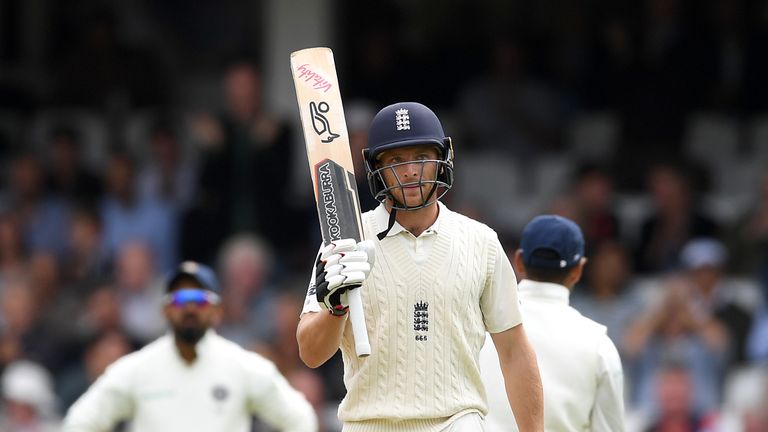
{"points": [[359, 330]]}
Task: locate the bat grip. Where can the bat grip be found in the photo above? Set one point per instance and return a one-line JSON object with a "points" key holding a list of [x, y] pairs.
{"points": [[357, 317]]}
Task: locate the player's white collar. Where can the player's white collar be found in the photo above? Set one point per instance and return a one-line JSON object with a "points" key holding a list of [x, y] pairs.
{"points": [[381, 219], [543, 290]]}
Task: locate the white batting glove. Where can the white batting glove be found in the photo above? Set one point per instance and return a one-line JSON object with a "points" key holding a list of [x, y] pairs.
{"points": [[342, 265]]}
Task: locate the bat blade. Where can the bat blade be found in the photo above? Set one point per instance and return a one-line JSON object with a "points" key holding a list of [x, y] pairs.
{"points": [[336, 201], [330, 162]]}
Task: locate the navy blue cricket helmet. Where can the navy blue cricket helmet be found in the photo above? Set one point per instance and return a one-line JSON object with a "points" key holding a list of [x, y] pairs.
{"points": [[203, 274], [405, 124]]}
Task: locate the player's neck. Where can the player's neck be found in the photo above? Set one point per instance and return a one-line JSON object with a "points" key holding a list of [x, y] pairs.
{"points": [[187, 351], [417, 221]]}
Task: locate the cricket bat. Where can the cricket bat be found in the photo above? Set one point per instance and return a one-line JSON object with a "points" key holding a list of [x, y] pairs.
{"points": [[330, 162]]}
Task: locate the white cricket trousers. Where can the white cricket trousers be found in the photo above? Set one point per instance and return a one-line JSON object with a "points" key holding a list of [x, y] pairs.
{"points": [[471, 422]]}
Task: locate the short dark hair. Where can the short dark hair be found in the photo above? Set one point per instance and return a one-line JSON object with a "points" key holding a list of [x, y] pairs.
{"points": [[547, 274]]}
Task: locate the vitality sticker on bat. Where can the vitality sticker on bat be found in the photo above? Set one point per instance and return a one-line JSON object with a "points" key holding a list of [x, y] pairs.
{"points": [[335, 202], [314, 78], [320, 122]]}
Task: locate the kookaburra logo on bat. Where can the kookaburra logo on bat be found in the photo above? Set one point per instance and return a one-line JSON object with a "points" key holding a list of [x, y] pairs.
{"points": [[325, 181], [320, 122]]}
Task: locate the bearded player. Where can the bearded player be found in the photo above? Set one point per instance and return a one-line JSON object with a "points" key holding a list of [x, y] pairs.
{"points": [[191, 379]]}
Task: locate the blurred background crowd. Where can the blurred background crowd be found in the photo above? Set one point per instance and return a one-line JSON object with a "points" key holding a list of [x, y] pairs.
{"points": [[134, 134]]}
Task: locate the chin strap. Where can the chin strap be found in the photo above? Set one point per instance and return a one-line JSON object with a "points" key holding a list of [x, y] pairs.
{"points": [[393, 212], [390, 224]]}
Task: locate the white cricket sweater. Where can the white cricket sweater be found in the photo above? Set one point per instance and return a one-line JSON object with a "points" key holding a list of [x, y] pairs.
{"points": [[580, 369], [158, 391], [428, 302]]}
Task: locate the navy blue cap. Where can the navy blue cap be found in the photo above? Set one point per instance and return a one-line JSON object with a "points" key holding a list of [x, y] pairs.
{"points": [[404, 124], [203, 274], [552, 241]]}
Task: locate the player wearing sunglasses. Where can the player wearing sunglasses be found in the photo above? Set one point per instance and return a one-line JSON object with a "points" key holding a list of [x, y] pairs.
{"points": [[191, 379]]}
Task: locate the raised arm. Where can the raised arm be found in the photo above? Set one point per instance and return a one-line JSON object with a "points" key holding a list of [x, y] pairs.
{"points": [[319, 336], [340, 266]]}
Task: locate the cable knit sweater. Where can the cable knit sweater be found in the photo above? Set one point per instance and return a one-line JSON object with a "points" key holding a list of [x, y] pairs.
{"points": [[428, 302]]}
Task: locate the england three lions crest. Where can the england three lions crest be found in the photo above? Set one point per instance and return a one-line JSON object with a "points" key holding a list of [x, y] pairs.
{"points": [[421, 320]]}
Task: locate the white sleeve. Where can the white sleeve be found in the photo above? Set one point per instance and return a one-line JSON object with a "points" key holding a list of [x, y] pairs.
{"points": [[107, 402], [273, 400], [608, 412], [499, 302], [310, 301]]}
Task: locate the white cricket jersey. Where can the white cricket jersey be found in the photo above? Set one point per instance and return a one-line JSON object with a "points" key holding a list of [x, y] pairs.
{"points": [[428, 302], [581, 372], [157, 390]]}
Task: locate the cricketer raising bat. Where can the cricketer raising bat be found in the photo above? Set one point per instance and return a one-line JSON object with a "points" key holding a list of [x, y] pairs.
{"points": [[330, 162]]}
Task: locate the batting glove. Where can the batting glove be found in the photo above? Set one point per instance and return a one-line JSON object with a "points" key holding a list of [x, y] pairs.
{"points": [[342, 265]]}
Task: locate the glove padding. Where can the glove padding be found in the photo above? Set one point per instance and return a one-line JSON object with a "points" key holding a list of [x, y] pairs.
{"points": [[342, 265]]}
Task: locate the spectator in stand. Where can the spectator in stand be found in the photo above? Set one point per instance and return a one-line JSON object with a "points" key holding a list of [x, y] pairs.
{"points": [[45, 278], [246, 149], [22, 332], [168, 174], [672, 329], [757, 341], [44, 218], [674, 390], [86, 261], [68, 177], [128, 217], [607, 296], [283, 346], [593, 192], [63, 290], [748, 239], [13, 258], [674, 221], [509, 109], [703, 260], [250, 309], [756, 418], [101, 314], [29, 404], [745, 405], [138, 294], [54, 309]]}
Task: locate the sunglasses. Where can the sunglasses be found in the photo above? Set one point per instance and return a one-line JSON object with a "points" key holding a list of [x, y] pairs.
{"points": [[184, 296]]}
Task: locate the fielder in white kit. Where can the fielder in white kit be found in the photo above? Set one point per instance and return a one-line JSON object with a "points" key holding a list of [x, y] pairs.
{"points": [[191, 379], [580, 367]]}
